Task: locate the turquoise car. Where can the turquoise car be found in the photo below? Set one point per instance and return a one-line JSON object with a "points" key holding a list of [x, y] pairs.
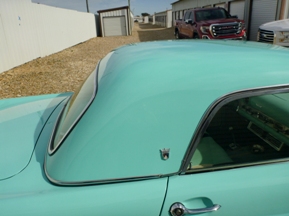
{"points": [[158, 128]]}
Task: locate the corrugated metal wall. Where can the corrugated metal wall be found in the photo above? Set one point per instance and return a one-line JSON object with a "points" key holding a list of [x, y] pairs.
{"points": [[237, 8], [29, 31], [160, 18], [263, 11]]}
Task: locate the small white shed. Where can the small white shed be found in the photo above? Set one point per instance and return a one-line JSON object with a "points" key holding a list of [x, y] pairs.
{"points": [[115, 21]]}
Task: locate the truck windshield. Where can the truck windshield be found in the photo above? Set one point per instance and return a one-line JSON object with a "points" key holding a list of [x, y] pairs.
{"points": [[210, 14]]}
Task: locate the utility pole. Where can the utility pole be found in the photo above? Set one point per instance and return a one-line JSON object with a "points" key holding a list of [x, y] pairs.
{"points": [[87, 8], [129, 18]]}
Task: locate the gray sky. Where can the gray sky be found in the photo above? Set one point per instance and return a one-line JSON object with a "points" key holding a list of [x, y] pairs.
{"points": [[137, 6]]}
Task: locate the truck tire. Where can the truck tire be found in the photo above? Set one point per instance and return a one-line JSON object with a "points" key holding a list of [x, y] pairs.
{"points": [[177, 35], [196, 36]]}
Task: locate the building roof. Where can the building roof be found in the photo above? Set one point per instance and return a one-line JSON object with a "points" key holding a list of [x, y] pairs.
{"points": [[176, 2], [112, 9]]}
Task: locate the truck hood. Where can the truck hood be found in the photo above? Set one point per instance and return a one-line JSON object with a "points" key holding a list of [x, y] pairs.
{"points": [[21, 122], [280, 25], [216, 21]]}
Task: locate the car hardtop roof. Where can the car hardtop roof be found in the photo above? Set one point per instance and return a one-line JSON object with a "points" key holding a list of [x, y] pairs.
{"points": [[254, 63], [152, 96]]}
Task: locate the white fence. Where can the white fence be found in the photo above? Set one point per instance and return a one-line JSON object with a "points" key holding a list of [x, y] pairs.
{"points": [[29, 31]]}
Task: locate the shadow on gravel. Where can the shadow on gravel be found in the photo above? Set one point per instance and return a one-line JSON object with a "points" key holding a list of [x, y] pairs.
{"points": [[149, 26], [149, 32]]}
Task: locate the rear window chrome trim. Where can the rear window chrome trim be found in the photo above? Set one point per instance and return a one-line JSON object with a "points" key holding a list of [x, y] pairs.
{"points": [[53, 149]]}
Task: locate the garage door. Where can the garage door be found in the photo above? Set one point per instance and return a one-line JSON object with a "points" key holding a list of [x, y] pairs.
{"points": [[237, 8], [207, 6], [114, 26], [262, 11]]}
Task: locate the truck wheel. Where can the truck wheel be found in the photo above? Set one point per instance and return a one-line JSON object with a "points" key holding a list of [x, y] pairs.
{"points": [[177, 35], [196, 36]]}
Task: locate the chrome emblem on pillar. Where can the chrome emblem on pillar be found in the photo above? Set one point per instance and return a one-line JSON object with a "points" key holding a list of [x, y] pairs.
{"points": [[165, 153]]}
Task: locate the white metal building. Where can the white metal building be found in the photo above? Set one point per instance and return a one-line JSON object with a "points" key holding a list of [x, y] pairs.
{"points": [[254, 12], [145, 19], [116, 21], [163, 18]]}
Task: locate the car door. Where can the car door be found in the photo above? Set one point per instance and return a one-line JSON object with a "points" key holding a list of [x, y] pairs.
{"points": [[260, 190], [238, 164], [186, 25], [191, 25]]}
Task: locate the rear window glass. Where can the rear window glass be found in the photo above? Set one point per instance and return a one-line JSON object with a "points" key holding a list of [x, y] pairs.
{"points": [[78, 104], [75, 108]]}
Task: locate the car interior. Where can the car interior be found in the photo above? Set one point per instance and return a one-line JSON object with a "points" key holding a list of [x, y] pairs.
{"points": [[246, 131]]}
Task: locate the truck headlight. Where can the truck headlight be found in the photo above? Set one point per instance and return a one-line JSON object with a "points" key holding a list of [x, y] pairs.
{"points": [[241, 27], [205, 29], [286, 35], [282, 37]]}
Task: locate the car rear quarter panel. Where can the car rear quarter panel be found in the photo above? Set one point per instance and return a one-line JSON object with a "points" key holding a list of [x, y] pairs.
{"points": [[31, 193], [21, 122]]}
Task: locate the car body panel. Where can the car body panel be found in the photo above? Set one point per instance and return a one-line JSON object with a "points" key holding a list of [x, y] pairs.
{"points": [[145, 120], [279, 25], [258, 190], [31, 193], [276, 32], [209, 22], [152, 96], [27, 116]]}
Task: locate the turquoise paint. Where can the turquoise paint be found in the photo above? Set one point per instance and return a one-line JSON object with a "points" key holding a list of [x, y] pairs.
{"points": [[30, 193], [250, 191], [26, 118], [140, 108], [152, 96]]}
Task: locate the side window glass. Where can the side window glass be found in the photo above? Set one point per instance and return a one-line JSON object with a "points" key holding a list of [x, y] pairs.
{"points": [[187, 15], [247, 131], [192, 17]]}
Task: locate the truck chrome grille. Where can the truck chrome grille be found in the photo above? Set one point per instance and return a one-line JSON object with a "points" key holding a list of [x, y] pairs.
{"points": [[226, 29], [265, 36]]}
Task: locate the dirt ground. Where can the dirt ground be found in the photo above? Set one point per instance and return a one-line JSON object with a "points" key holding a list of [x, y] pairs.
{"points": [[66, 70]]}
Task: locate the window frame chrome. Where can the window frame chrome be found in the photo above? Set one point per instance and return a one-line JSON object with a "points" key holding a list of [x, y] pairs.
{"points": [[207, 118], [53, 148]]}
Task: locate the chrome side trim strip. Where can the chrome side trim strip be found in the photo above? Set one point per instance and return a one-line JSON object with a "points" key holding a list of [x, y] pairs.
{"points": [[97, 182], [234, 166]]}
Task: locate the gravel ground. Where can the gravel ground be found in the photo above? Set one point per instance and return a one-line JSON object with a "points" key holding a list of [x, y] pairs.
{"points": [[66, 70]]}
